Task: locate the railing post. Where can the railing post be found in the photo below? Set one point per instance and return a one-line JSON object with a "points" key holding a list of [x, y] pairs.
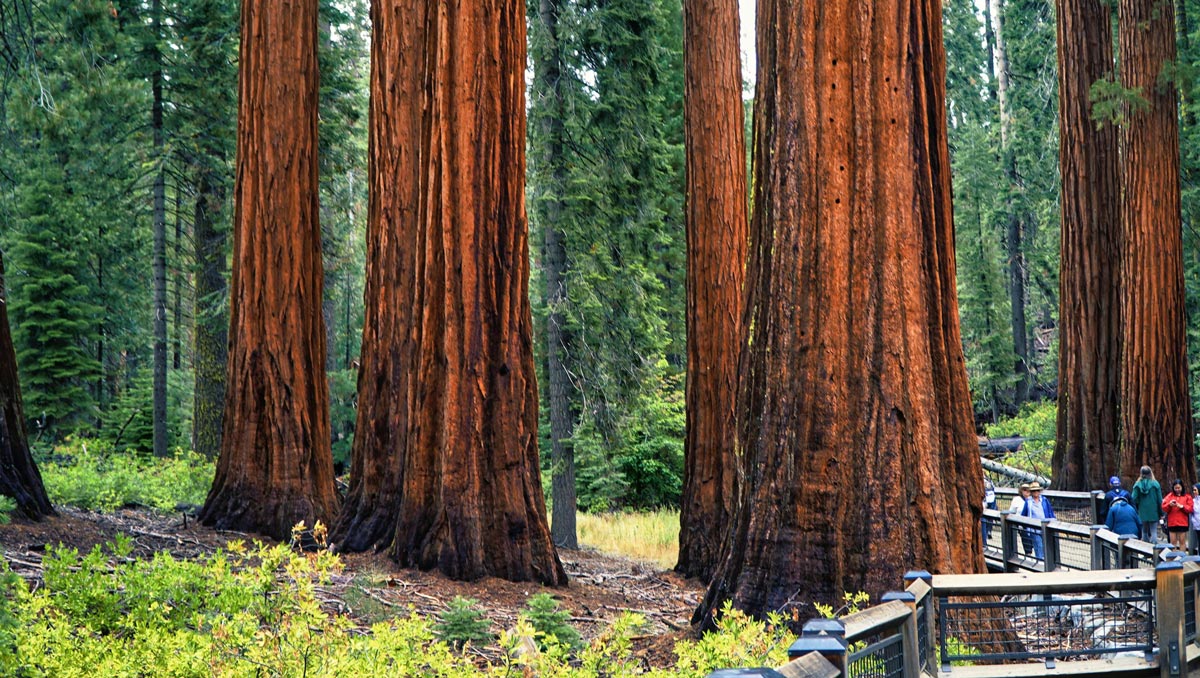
{"points": [[1168, 604], [1008, 542], [1049, 549], [1121, 539], [1097, 505], [930, 658], [908, 633], [826, 637], [1097, 551], [1159, 549]]}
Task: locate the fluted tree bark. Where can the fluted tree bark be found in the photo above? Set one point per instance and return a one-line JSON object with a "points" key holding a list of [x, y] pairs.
{"points": [[853, 389], [275, 467], [1085, 452], [717, 231], [444, 468], [19, 477], [1156, 414]]}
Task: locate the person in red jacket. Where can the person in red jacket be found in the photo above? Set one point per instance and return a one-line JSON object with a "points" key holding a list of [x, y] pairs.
{"points": [[1178, 507]]}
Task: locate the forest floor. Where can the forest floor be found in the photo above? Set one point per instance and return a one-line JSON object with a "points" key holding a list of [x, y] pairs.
{"points": [[372, 588]]}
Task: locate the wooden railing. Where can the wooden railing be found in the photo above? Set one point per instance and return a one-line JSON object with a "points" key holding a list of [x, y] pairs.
{"points": [[1062, 573]]}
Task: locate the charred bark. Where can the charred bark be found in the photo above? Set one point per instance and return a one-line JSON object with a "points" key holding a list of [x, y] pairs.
{"points": [[444, 468], [717, 231], [275, 468], [861, 458], [19, 477], [1085, 453], [1156, 420]]}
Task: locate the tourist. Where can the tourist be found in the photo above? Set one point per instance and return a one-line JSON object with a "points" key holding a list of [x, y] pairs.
{"points": [[989, 502], [1114, 490], [1178, 507], [1018, 507], [1122, 519], [1147, 499], [1038, 508], [1194, 520]]}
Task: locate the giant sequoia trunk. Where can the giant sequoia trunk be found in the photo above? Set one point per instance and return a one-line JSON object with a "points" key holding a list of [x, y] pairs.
{"points": [[1156, 413], [861, 456], [714, 132], [19, 477], [1085, 453], [276, 468], [444, 467]]}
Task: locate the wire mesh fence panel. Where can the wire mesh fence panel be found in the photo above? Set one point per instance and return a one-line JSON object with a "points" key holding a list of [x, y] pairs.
{"points": [[993, 537], [1065, 627], [923, 633], [1189, 611], [1135, 559], [1074, 550], [1026, 545], [883, 658], [1110, 556]]}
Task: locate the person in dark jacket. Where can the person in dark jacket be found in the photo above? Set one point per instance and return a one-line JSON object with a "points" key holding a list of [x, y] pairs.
{"points": [[1114, 490], [1147, 499], [1122, 519]]}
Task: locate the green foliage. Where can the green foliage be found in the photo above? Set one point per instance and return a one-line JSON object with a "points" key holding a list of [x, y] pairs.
{"points": [[543, 613], [462, 622], [8, 506], [90, 475], [852, 603], [738, 641], [1037, 423], [1114, 104]]}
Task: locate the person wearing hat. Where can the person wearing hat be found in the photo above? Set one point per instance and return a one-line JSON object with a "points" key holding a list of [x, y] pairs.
{"points": [[1018, 506], [1038, 508], [1122, 519], [1114, 490], [1147, 498]]}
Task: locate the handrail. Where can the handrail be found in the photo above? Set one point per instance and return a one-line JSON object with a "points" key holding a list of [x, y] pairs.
{"points": [[1042, 583], [874, 620]]}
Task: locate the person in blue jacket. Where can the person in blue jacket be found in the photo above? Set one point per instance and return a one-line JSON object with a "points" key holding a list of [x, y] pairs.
{"points": [[1038, 508], [1123, 518]]}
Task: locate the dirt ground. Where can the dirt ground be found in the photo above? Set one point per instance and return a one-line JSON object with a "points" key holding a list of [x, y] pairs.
{"points": [[372, 588]]}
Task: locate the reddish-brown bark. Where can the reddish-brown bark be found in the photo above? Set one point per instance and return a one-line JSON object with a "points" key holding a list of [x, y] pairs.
{"points": [[19, 477], [1156, 415], [860, 452], [1085, 453], [444, 467], [276, 468], [717, 232]]}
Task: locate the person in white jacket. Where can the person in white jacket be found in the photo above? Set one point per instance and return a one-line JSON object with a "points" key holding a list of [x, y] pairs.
{"points": [[1017, 507]]}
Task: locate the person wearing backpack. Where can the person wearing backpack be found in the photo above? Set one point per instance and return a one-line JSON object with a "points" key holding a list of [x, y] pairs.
{"points": [[1147, 498]]}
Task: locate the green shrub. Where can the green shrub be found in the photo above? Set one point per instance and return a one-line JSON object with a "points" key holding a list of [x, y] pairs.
{"points": [[462, 622], [8, 506], [90, 475], [549, 621], [1036, 423]]}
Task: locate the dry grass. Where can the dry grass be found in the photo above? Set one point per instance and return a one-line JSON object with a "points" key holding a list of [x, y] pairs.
{"points": [[650, 537]]}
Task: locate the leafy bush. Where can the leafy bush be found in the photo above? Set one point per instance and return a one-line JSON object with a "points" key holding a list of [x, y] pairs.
{"points": [[90, 475], [255, 612], [462, 622], [549, 621], [8, 505], [1036, 423]]}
